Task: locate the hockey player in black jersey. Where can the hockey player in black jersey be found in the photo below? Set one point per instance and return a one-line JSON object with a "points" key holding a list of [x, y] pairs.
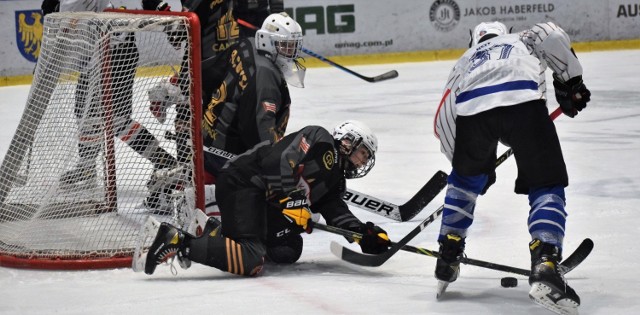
{"points": [[251, 105], [267, 197]]}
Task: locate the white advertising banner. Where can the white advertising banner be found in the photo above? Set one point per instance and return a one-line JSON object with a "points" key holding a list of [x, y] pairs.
{"points": [[348, 27]]}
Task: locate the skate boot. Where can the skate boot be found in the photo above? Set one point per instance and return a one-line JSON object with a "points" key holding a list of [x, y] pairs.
{"points": [[548, 287], [85, 175], [159, 202], [451, 251], [168, 243]]}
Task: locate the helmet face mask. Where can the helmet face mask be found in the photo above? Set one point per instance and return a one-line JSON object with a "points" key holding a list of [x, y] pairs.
{"points": [[281, 39], [357, 148]]}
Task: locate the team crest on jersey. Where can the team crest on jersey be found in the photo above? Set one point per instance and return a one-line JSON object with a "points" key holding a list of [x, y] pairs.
{"points": [[269, 107], [29, 33], [304, 145], [328, 159]]}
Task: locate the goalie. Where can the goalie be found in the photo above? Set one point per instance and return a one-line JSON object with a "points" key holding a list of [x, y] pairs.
{"points": [[90, 112], [266, 198]]}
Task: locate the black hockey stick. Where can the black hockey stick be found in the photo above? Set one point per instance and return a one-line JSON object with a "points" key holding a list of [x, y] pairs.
{"points": [[402, 213], [369, 260], [385, 76], [377, 260], [575, 259]]}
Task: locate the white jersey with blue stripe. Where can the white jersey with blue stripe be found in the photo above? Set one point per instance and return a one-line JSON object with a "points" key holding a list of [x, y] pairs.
{"points": [[503, 71]]}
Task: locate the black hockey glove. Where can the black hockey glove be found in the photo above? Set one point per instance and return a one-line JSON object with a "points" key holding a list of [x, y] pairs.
{"points": [[50, 6], [154, 5], [374, 239], [295, 208], [572, 95]]}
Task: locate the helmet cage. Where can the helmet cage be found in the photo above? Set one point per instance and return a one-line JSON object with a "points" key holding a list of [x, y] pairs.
{"points": [[350, 143]]}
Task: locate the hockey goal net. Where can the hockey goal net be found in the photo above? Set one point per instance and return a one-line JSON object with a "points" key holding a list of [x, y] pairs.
{"points": [[92, 157]]}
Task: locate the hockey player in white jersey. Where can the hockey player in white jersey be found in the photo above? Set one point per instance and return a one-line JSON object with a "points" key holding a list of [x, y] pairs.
{"points": [[496, 92]]}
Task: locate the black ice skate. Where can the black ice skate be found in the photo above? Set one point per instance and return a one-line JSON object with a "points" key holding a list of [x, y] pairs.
{"points": [[548, 288], [87, 176], [451, 251], [168, 243]]}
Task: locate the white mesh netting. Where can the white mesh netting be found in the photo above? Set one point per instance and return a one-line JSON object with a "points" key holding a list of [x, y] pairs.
{"points": [[92, 156]]}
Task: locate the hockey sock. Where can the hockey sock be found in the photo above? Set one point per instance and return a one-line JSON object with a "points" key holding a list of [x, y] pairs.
{"points": [[243, 257], [460, 202], [547, 216]]}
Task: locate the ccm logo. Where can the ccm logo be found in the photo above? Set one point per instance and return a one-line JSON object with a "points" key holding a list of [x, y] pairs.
{"points": [[366, 202]]}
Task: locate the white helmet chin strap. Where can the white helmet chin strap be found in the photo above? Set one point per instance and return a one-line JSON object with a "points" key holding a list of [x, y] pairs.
{"points": [[292, 71]]}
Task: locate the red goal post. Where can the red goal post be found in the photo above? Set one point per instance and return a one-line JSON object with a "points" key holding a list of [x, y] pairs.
{"points": [[77, 101]]}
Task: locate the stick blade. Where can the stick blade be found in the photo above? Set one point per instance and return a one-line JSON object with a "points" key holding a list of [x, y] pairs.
{"points": [[385, 76], [353, 257]]}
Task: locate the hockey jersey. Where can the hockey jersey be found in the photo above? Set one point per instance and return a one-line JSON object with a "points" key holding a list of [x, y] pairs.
{"points": [[502, 71]]}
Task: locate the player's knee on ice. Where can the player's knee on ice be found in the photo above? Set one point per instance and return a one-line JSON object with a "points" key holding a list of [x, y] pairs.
{"points": [[287, 251]]}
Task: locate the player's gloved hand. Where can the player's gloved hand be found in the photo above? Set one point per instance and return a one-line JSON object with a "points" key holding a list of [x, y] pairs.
{"points": [[50, 6], [572, 95], [155, 5], [295, 208], [374, 239], [161, 97]]}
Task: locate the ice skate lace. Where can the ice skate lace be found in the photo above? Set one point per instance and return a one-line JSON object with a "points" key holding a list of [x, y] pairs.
{"points": [[168, 256]]}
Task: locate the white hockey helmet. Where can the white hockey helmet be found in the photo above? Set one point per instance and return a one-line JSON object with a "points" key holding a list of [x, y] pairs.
{"points": [[281, 38], [486, 28], [280, 35], [353, 135]]}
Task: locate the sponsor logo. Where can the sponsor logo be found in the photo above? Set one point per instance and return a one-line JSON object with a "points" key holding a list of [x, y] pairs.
{"points": [[374, 205], [334, 19], [628, 10], [29, 33], [444, 15]]}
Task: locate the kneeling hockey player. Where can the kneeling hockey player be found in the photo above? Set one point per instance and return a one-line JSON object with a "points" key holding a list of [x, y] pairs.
{"points": [[266, 198]]}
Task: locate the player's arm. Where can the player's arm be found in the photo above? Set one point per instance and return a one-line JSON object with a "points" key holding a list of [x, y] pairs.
{"points": [[269, 103], [552, 46], [444, 121], [155, 5]]}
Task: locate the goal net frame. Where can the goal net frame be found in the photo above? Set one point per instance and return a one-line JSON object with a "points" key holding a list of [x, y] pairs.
{"points": [[19, 255]]}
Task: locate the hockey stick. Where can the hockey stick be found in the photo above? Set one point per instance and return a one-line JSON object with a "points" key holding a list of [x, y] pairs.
{"points": [[377, 260], [401, 213], [576, 258], [385, 76]]}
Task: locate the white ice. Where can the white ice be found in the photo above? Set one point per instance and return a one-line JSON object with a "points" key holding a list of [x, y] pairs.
{"points": [[600, 146]]}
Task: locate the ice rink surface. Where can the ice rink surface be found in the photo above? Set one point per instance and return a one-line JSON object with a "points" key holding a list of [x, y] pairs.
{"points": [[601, 147]]}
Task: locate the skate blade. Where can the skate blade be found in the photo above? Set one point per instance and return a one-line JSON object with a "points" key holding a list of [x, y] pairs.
{"points": [[442, 287], [146, 234], [540, 294]]}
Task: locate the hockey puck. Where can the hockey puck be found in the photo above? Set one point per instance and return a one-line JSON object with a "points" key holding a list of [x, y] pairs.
{"points": [[509, 282]]}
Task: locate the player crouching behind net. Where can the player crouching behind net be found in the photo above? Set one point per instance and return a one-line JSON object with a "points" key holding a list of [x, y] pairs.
{"points": [[266, 198]]}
